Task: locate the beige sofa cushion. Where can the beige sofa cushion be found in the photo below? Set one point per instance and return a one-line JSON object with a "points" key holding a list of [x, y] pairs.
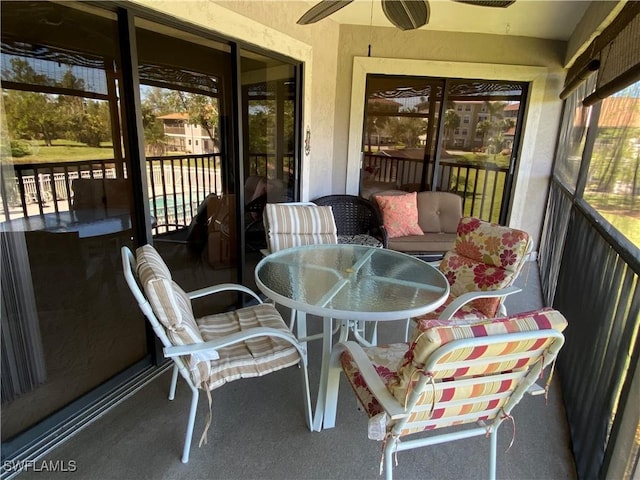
{"points": [[439, 212], [438, 217], [429, 242]]}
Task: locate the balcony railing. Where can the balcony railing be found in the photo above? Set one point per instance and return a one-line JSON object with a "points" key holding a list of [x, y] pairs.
{"points": [[178, 184], [481, 186]]}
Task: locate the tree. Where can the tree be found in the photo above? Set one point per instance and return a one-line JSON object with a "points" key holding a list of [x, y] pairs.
{"points": [[30, 115], [451, 122], [34, 115], [406, 130], [154, 137], [494, 127]]}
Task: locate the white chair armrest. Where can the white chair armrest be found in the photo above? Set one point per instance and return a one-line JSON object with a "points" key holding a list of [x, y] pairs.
{"points": [[223, 287], [387, 401], [237, 337], [465, 298]]}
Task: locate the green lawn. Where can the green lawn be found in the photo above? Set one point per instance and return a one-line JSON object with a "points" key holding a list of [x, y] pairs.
{"points": [[64, 150], [619, 211]]}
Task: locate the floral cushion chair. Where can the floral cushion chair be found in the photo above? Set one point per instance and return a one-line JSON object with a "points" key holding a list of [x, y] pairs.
{"points": [[485, 261]]}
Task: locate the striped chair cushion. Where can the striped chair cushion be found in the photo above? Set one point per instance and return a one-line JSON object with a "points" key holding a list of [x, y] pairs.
{"points": [[433, 338], [169, 302], [290, 225], [172, 307], [396, 363], [252, 358], [150, 264]]}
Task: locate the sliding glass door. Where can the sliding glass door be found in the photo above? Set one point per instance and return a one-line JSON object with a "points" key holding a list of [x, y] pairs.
{"points": [[462, 136], [117, 133], [269, 88], [67, 322]]}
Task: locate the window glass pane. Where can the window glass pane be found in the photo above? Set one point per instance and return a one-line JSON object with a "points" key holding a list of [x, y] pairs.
{"points": [[397, 124], [185, 84], [613, 182], [65, 211], [573, 134]]}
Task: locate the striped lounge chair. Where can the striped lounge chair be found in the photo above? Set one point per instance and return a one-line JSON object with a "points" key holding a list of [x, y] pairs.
{"points": [[469, 377]]}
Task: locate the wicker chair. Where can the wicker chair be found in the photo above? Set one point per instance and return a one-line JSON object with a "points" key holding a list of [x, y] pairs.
{"points": [[357, 219]]}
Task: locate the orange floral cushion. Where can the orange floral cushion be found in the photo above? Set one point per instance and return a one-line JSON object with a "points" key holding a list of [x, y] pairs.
{"points": [[400, 214], [485, 257]]}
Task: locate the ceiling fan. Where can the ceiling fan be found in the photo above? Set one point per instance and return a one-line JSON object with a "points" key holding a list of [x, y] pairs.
{"points": [[404, 14]]}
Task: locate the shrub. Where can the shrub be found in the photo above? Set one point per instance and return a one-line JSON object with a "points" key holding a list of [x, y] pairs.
{"points": [[20, 149]]}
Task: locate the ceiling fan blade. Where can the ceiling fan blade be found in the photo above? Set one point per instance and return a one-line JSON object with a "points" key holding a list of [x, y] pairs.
{"points": [[322, 10], [406, 14], [488, 3]]}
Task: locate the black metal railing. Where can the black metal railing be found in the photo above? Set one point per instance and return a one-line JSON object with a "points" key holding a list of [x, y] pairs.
{"points": [[177, 185], [481, 186], [266, 165], [47, 186]]}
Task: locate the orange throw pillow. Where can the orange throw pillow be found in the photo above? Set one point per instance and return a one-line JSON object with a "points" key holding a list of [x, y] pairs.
{"points": [[400, 214]]}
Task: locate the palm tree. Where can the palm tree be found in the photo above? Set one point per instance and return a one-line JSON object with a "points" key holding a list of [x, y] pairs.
{"points": [[451, 122]]}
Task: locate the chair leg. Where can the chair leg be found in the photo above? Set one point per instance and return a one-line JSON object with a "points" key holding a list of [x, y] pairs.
{"points": [[388, 458], [174, 382], [190, 423], [492, 460], [406, 329]]}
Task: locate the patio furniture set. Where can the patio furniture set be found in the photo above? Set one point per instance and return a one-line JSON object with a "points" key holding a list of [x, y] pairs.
{"points": [[465, 362]]}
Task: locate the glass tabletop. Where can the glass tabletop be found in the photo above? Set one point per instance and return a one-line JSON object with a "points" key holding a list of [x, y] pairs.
{"points": [[351, 282]]}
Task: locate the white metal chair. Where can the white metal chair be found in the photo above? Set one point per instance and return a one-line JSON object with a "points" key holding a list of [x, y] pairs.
{"points": [[295, 224], [449, 376], [215, 349]]}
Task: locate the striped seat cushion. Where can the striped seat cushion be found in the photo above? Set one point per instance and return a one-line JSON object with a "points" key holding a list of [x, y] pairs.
{"points": [[251, 358], [288, 225], [398, 365], [169, 302]]}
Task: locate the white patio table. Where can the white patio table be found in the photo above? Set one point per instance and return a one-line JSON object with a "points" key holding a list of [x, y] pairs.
{"points": [[88, 223], [350, 283]]}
